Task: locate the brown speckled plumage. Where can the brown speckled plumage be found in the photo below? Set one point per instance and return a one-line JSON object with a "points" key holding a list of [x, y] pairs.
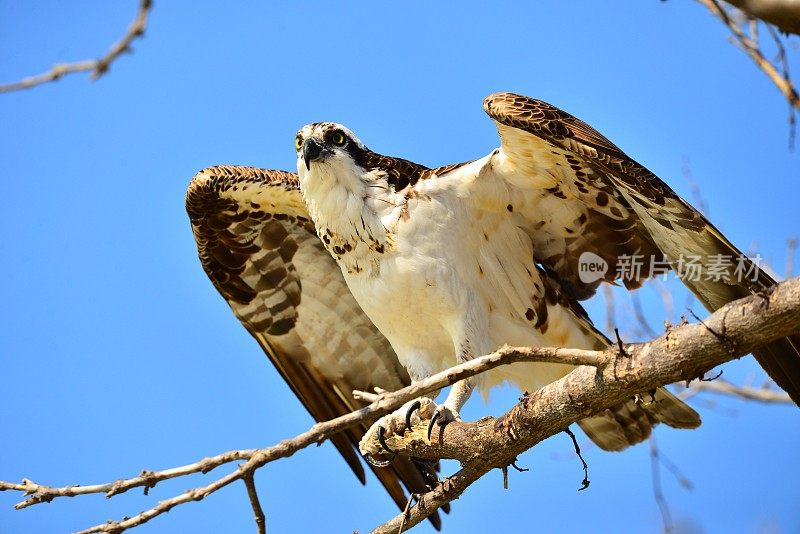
{"points": [[261, 252], [569, 189], [400, 173], [643, 216]]}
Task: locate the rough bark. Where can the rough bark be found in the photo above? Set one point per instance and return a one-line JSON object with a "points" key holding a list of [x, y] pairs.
{"points": [[682, 353], [602, 380]]}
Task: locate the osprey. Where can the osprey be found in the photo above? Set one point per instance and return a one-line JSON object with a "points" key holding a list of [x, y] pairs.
{"points": [[417, 269], [452, 263]]}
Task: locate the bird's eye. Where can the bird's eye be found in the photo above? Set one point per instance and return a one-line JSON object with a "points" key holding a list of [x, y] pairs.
{"points": [[298, 142], [337, 138]]}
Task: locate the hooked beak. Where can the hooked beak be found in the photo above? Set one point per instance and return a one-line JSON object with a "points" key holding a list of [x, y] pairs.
{"points": [[311, 152]]}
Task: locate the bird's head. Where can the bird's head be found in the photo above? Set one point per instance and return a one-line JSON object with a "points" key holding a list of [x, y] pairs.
{"points": [[331, 147], [347, 191], [329, 152]]}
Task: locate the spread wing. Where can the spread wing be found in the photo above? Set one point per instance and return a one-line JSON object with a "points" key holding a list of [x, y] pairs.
{"points": [[580, 193], [260, 250]]}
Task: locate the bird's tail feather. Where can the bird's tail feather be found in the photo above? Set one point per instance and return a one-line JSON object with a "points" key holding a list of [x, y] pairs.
{"points": [[781, 360], [627, 424]]}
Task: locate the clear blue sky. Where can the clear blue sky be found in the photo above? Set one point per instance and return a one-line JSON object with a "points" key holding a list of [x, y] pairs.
{"points": [[116, 353]]}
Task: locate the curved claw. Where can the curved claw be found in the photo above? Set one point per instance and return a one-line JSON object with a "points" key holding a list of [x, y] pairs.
{"points": [[518, 468], [409, 413], [382, 440], [436, 415], [378, 463]]}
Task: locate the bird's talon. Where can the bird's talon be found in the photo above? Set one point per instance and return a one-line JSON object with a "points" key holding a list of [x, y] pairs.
{"points": [[416, 406], [378, 463], [433, 420], [382, 441]]}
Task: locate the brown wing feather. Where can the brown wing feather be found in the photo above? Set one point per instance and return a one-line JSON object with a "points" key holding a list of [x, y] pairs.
{"points": [[571, 207], [260, 250], [656, 220]]}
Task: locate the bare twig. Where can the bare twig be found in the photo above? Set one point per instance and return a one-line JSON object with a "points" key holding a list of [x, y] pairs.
{"points": [[784, 64], [98, 66], [256, 458], [585, 482], [657, 459], [687, 351], [684, 482], [658, 494], [196, 494], [766, 395], [750, 46], [638, 313], [38, 493], [406, 509], [258, 512]]}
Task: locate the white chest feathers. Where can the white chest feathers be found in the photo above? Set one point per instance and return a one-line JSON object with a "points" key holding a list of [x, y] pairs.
{"points": [[355, 216]]}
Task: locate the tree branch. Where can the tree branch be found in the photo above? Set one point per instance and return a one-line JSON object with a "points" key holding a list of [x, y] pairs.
{"points": [[767, 395], [38, 493], [603, 379], [683, 353], [658, 493], [257, 458], [258, 512], [750, 46], [98, 66]]}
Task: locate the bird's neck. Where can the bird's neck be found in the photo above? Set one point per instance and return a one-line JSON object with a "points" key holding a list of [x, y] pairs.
{"points": [[345, 216]]}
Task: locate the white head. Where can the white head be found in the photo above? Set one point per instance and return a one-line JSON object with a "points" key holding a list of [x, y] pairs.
{"points": [[352, 194], [329, 152]]}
